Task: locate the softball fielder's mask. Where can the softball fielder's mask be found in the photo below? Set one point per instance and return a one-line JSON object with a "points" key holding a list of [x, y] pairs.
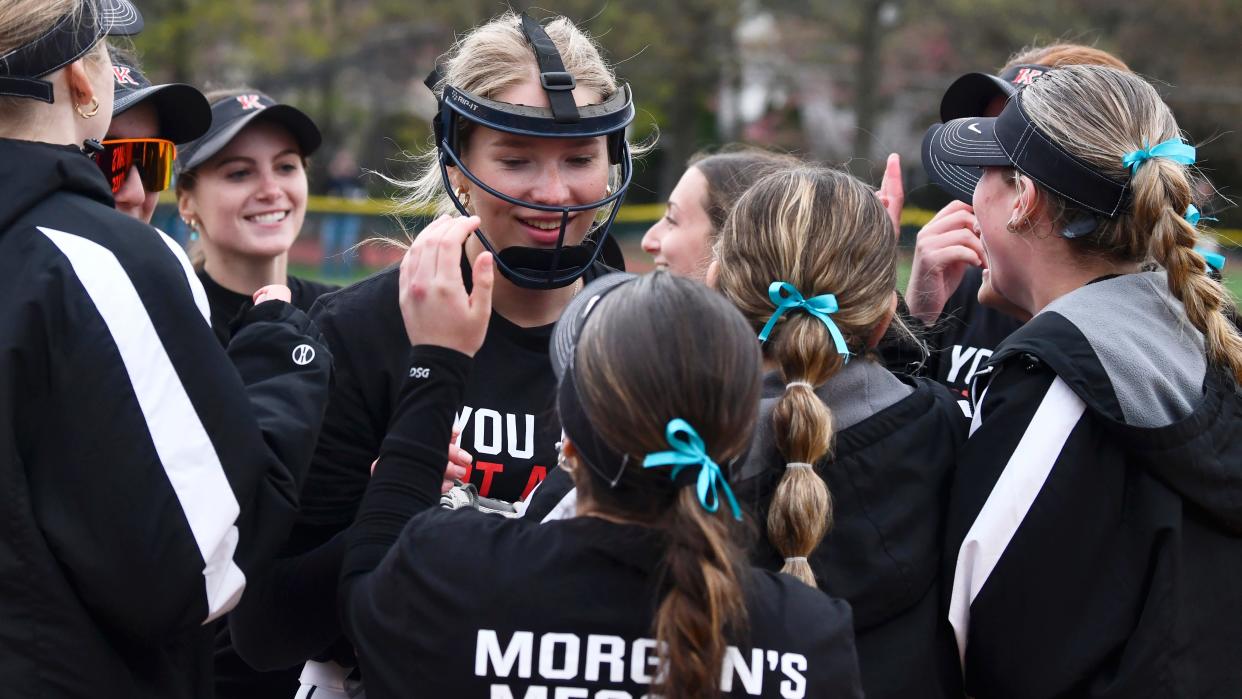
{"points": [[539, 267]]}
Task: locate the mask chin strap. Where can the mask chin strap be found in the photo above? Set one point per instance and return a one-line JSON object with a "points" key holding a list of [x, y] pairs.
{"points": [[542, 268], [552, 75]]}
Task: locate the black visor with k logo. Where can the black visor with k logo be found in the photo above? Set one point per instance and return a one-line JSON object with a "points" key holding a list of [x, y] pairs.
{"points": [[1013, 140], [232, 114]]}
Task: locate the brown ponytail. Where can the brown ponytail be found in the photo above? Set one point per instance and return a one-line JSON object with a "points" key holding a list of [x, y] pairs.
{"points": [[825, 233], [801, 511], [1099, 114], [704, 597], [662, 347]]}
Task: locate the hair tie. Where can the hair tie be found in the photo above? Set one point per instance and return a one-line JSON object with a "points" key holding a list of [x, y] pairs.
{"points": [[800, 464], [786, 296], [791, 384], [688, 450], [1174, 149], [793, 559]]}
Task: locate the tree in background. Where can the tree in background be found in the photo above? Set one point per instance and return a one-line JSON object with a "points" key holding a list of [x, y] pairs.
{"points": [[844, 81]]}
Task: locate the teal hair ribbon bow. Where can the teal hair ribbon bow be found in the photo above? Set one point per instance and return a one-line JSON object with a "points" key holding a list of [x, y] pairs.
{"points": [[1215, 260], [1194, 216], [1173, 149], [785, 296], [687, 451]]}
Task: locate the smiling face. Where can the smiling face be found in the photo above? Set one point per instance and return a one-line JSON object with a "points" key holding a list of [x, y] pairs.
{"points": [[250, 198], [681, 241], [139, 121], [549, 171]]}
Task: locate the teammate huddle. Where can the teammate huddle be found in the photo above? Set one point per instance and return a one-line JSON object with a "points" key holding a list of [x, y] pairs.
{"points": [[717, 479]]}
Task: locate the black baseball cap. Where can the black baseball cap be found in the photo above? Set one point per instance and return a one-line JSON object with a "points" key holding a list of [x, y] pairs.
{"points": [[1013, 140], [569, 327], [68, 40], [183, 111], [232, 114], [970, 96]]}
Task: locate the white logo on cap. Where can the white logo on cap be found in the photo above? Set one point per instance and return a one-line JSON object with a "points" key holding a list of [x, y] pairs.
{"points": [[975, 127], [249, 101], [121, 73]]}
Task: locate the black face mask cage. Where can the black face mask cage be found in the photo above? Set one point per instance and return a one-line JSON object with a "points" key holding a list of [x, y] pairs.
{"points": [[536, 267], [542, 268]]}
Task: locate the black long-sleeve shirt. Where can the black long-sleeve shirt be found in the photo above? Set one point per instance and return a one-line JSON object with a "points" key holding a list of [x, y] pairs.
{"points": [[227, 305], [507, 421], [457, 603]]}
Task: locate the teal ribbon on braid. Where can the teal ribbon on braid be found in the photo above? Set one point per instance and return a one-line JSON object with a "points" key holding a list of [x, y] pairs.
{"points": [[1174, 149], [688, 450], [785, 296], [1215, 260]]}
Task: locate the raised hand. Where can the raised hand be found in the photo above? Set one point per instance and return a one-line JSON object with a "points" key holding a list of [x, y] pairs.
{"points": [[435, 306], [272, 292], [892, 193], [944, 248]]}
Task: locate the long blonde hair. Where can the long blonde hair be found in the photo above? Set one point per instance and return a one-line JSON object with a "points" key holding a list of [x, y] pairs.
{"points": [[824, 232], [1099, 114]]}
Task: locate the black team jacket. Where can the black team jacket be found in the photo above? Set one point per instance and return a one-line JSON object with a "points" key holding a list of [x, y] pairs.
{"points": [[895, 444], [1095, 531], [144, 472]]}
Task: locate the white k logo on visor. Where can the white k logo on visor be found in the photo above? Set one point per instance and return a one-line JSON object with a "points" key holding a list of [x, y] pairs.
{"points": [[975, 127]]}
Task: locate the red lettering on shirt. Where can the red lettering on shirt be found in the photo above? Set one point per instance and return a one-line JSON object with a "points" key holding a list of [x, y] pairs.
{"points": [[489, 470], [537, 474]]}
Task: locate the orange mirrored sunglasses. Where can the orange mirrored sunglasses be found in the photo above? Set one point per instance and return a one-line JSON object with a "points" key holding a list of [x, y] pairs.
{"points": [[152, 156]]}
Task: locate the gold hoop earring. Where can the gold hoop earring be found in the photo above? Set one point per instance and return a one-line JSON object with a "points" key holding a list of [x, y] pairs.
{"points": [[1015, 226], [463, 195], [94, 109]]}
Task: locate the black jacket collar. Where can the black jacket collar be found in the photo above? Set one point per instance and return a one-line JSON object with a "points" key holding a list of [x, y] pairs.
{"points": [[31, 171]]}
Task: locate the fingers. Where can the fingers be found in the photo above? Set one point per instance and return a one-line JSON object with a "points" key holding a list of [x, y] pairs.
{"points": [[460, 457], [484, 272], [892, 191], [409, 264], [458, 468], [448, 251], [953, 206], [953, 220], [957, 238], [955, 254], [428, 245], [272, 292], [891, 185]]}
